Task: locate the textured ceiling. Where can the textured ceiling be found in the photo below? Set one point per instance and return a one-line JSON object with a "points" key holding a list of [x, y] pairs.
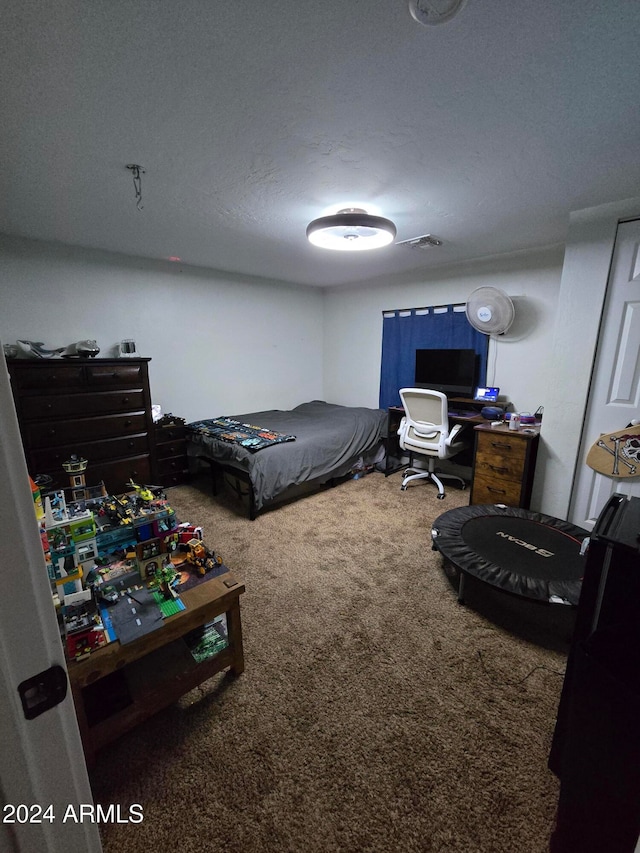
{"points": [[251, 119]]}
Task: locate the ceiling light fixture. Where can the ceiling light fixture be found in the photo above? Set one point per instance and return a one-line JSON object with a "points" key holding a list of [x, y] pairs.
{"points": [[433, 12], [351, 230], [137, 172]]}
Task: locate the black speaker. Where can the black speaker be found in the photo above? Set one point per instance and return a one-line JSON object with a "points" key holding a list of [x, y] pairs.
{"points": [[596, 743]]}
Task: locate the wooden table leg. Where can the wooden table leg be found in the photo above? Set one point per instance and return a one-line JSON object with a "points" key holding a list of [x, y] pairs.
{"points": [[234, 629]]}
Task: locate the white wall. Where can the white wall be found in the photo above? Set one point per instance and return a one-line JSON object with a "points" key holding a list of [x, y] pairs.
{"points": [[521, 363], [224, 344], [219, 343]]}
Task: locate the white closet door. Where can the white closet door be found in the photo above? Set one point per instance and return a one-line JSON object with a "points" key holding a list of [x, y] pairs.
{"points": [[614, 399]]}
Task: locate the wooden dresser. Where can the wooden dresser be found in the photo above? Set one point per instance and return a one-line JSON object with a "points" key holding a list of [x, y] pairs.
{"points": [[98, 408], [504, 465]]}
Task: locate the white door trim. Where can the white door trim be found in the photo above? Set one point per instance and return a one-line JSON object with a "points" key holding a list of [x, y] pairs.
{"points": [[614, 391], [42, 762]]}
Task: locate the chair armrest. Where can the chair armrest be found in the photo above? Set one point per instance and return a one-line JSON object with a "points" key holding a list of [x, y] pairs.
{"points": [[454, 433]]}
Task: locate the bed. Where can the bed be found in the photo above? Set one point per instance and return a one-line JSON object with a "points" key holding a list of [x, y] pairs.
{"points": [[313, 444]]}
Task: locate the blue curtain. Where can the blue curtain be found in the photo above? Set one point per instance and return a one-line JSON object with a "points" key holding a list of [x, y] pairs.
{"points": [[403, 332]]}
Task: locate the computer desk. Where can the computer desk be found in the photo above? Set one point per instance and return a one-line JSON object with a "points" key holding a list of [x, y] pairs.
{"points": [[456, 418], [503, 460]]}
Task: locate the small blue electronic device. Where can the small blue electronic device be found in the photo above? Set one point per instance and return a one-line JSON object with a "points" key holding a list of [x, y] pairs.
{"points": [[486, 395]]}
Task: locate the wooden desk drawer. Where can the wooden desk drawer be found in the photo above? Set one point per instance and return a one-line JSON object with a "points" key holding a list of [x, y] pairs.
{"points": [[500, 456], [500, 468], [81, 405], [66, 432], [492, 490], [501, 449]]}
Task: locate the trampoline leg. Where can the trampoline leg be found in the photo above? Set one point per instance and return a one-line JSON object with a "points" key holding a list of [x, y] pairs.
{"points": [[461, 588]]}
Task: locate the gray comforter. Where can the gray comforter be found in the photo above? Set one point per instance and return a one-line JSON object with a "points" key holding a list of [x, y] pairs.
{"points": [[329, 440]]}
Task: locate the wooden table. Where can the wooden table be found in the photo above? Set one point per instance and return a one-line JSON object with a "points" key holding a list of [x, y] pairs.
{"points": [[119, 686]]}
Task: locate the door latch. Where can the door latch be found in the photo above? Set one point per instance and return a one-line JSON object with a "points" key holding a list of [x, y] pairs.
{"points": [[43, 691]]}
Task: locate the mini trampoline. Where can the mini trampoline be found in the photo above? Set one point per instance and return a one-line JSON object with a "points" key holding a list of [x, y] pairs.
{"points": [[525, 553]]}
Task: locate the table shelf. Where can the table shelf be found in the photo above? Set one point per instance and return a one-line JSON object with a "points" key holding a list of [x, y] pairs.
{"points": [[120, 686]]}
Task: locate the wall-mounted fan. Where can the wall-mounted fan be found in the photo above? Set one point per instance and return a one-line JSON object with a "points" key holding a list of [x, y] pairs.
{"points": [[490, 310]]}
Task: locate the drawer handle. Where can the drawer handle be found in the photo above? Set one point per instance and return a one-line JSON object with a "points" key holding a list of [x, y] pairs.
{"points": [[498, 469], [500, 444], [125, 399], [498, 491], [52, 432], [128, 422], [52, 377]]}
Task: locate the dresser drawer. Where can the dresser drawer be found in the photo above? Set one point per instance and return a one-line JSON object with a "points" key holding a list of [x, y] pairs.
{"points": [[68, 431], [117, 473], [173, 433], [79, 405], [494, 490], [175, 479], [50, 459], [171, 448], [115, 374], [172, 465], [54, 374]]}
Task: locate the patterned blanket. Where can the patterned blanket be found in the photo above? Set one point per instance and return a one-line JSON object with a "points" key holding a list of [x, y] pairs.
{"points": [[252, 437]]}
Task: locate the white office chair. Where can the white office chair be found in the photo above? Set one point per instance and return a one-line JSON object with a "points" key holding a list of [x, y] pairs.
{"points": [[425, 430]]}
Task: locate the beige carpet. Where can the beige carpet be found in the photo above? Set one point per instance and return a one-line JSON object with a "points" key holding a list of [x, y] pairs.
{"points": [[375, 712]]}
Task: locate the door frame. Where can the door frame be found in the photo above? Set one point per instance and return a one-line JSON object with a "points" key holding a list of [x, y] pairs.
{"points": [[42, 759], [585, 272], [586, 482]]}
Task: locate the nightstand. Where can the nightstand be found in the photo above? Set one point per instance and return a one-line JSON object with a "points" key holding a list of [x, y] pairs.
{"points": [[172, 466], [504, 465]]}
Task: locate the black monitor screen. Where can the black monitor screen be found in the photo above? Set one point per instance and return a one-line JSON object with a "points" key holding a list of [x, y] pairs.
{"points": [[452, 371]]}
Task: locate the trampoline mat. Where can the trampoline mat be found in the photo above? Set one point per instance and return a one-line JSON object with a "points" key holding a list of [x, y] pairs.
{"points": [[522, 552]]}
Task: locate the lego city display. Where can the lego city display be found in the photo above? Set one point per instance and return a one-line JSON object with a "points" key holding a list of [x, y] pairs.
{"points": [[117, 562]]}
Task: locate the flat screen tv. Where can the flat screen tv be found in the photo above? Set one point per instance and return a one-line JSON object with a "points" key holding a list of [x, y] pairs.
{"points": [[452, 371]]}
